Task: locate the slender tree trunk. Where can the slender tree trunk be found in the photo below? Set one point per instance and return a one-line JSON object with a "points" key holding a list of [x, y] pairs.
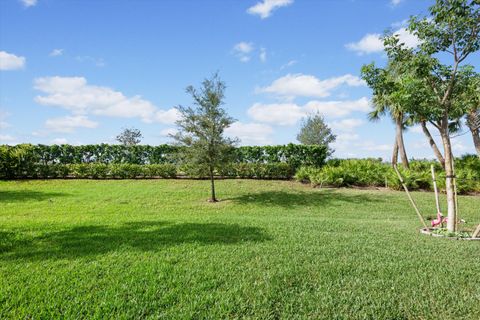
{"points": [[212, 183], [447, 150], [401, 145], [432, 143], [395, 153]]}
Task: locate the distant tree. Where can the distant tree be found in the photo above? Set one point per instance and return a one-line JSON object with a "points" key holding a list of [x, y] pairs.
{"points": [[201, 129], [314, 131], [130, 137]]}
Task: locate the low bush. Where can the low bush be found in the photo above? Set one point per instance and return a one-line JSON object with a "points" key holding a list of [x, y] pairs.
{"points": [[375, 173], [258, 171], [160, 170]]}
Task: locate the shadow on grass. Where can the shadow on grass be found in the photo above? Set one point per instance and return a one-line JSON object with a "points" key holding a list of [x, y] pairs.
{"points": [[292, 199], [28, 195], [143, 236]]}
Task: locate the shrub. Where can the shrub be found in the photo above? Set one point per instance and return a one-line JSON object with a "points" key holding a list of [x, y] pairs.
{"points": [[98, 170], [160, 170], [374, 173], [258, 171]]}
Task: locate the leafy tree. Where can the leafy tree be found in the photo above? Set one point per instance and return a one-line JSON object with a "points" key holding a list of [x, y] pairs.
{"points": [[201, 129], [431, 89], [130, 137], [314, 131]]}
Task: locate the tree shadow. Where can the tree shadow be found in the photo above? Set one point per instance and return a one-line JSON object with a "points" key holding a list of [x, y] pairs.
{"points": [[142, 236], [26, 195], [292, 199]]}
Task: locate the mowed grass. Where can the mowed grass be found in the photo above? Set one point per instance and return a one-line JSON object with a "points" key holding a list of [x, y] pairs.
{"points": [[270, 249]]}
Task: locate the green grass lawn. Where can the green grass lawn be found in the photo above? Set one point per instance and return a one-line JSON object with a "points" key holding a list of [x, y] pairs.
{"points": [[269, 250]]}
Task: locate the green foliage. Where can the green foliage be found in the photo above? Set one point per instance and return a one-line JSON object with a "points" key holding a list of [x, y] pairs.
{"points": [[130, 137], [294, 154], [41, 161], [375, 173], [166, 170], [258, 171], [314, 131], [201, 129]]}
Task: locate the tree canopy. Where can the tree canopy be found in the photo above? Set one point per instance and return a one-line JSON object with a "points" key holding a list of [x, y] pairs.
{"points": [[201, 129]]}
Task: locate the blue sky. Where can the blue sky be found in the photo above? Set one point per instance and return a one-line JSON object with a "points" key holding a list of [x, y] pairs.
{"points": [[78, 71]]}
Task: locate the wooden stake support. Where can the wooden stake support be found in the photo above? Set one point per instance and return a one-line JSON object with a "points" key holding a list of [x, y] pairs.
{"points": [[410, 197], [437, 202], [476, 233]]}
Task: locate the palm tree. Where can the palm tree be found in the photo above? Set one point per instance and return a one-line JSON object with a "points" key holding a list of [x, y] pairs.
{"points": [[383, 107]]}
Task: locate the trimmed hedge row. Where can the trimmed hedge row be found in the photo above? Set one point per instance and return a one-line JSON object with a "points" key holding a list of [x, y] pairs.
{"points": [[166, 170], [293, 154], [375, 173], [32, 160]]}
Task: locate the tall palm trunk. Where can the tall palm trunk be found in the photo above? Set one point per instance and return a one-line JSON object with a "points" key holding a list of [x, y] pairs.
{"points": [[473, 123], [399, 138], [476, 140], [432, 143], [395, 153]]}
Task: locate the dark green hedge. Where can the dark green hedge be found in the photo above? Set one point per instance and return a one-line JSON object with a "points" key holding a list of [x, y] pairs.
{"points": [[101, 161]]}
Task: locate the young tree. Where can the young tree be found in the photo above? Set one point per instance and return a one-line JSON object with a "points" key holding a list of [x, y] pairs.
{"points": [[201, 129], [314, 131], [452, 28], [130, 137]]}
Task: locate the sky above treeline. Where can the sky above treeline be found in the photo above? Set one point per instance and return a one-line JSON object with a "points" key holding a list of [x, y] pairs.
{"points": [[78, 72]]}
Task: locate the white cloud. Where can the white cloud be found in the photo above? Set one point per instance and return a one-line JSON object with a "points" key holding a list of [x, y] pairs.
{"points": [[338, 108], [288, 64], [395, 2], [372, 42], [169, 116], [418, 129], [373, 146], [289, 113], [29, 3], [250, 133], [168, 131], [69, 123], [264, 9], [344, 141], [56, 52], [263, 54], [243, 50], [9, 61], [59, 141], [283, 114], [3, 123], [293, 85], [75, 95], [243, 47], [346, 125], [7, 139]]}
